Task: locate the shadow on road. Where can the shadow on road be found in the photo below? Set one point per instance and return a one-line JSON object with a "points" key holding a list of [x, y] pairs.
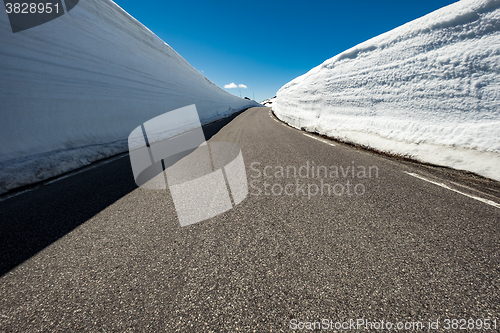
{"points": [[33, 220]]}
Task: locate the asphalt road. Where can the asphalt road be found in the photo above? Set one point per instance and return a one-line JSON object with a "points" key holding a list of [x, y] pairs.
{"points": [[92, 252]]}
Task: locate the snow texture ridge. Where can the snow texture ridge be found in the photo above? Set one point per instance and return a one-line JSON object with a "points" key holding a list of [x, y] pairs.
{"points": [[73, 89], [429, 89]]}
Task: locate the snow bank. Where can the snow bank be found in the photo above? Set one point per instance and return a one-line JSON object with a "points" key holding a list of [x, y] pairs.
{"points": [[73, 89], [429, 89]]}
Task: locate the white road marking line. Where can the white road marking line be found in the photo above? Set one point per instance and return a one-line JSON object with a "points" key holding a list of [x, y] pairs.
{"points": [[282, 123], [87, 168], [66, 175], [486, 201], [315, 138]]}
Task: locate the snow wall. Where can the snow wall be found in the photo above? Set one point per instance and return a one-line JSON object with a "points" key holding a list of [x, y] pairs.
{"points": [[429, 89], [72, 90]]}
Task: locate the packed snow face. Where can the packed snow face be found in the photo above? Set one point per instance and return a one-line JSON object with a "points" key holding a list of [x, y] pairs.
{"points": [[429, 89], [73, 89]]}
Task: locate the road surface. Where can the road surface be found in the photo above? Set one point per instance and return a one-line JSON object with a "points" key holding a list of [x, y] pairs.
{"points": [[401, 242]]}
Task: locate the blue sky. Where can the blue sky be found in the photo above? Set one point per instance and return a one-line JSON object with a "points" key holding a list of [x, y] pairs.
{"points": [[265, 44]]}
